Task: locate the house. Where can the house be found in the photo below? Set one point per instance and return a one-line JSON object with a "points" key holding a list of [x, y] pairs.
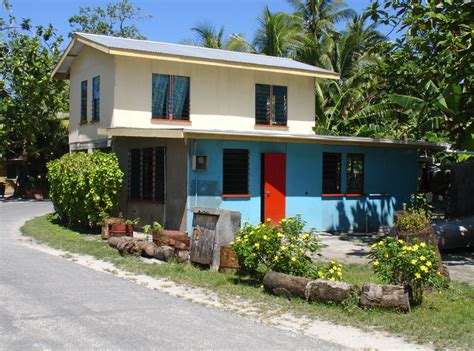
{"points": [[197, 127]]}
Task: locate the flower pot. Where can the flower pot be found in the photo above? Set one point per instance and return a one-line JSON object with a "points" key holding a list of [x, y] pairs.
{"points": [[129, 229], [118, 229]]}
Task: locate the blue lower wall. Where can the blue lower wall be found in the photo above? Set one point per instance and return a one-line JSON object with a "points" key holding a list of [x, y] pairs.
{"points": [[389, 171]]}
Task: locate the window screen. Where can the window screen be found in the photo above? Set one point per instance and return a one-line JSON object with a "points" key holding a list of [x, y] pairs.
{"points": [[84, 101], [355, 173], [271, 104], [331, 173], [147, 174], [236, 171]]}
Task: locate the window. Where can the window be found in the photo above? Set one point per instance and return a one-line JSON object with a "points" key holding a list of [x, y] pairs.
{"points": [[331, 173], [236, 172], [84, 101], [147, 174], [170, 97], [96, 98], [355, 173], [271, 105]]}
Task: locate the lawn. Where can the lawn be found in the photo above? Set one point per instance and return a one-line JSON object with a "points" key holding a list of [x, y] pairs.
{"points": [[446, 318]]}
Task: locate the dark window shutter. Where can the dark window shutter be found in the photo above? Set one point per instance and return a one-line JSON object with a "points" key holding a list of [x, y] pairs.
{"points": [[355, 173], [236, 171], [134, 173], [84, 100], [280, 105], [147, 174], [331, 173], [159, 174], [96, 98]]}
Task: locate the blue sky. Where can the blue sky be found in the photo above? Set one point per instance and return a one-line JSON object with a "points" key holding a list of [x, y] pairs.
{"points": [[171, 19]]}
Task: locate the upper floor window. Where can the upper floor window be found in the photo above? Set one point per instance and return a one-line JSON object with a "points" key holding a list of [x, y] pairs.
{"points": [[84, 101], [331, 173], [236, 172], [271, 105], [355, 174], [96, 98], [147, 174], [170, 97]]}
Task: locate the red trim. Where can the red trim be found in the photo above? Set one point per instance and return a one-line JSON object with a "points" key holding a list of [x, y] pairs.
{"points": [[236, 196], [355, 195]]}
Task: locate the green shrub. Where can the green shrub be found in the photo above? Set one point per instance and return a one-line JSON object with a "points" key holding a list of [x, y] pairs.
{"points": [[412, 221], [283, 248], [84, 187], [412, 264]]}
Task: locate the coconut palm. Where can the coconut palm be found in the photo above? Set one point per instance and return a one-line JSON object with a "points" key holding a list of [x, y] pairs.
{"points": [[279, 34], [209, 36]]}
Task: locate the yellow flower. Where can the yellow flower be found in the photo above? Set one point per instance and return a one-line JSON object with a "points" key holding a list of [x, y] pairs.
{"points": [[428, 263], [332, 262], [332, 279], [292, 246], [283, 247], [331, 270], [320, 274], [401, 241], [301, 250], [405, 248], [269, 219], [386, 255], [280, 235], [265, 237], [375, 263], [261, 286], [422, 258], [231, 243], [276, 258], [246, 236], [417, 275], [438, 273], [424, 269], [422, 244], [339, 274], [413, 262], [283, 220], [293, 259], [415, 247], [373, 245], [257, 245], [239, 240]]}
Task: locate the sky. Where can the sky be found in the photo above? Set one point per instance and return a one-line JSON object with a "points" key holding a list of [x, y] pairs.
{"points": [[171, 20]]}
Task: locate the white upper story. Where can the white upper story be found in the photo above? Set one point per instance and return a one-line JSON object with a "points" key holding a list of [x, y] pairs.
{"points": [[118, 83]]}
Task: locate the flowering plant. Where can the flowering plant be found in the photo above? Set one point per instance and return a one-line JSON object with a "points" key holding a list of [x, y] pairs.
{"points": [[330, 271], [413, 264], [283, 248]]}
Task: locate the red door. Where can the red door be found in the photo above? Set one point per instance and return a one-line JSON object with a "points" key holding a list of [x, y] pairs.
{"points": [[274, 187]]}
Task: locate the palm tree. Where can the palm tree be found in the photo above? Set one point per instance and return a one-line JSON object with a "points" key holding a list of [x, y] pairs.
{"points": [[279, 34]]}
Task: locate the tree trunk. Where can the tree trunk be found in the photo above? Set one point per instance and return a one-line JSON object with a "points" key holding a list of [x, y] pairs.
{"points": [[285, 285], [327, 290], [387, 296]]}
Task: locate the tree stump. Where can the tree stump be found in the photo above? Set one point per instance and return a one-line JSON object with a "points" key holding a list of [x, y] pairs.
{"points": [[148, 249], [182, 256], [285, 285], [164, 253], [327, 290], [386, 296]]}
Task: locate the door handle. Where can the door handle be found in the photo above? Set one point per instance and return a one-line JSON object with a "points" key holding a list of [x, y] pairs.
{"points": [[267, 192]]}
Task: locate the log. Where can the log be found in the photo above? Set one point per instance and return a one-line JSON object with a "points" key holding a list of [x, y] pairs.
{"points": [[327, 290], [148, 249], [164, 253], [386, 296], [182, 256], [285, 285]]}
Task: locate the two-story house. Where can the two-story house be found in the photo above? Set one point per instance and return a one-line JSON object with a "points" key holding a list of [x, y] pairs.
{"points": [[197, 127]]}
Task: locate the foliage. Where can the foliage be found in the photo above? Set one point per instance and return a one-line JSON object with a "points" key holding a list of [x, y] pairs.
{"points": [[150, 228], [283, 248], [419, 202], [31, 101], [111, 20], [84, 187], [412, 221], [412, 264], [209, 37], [330, 271], [133, 221]]}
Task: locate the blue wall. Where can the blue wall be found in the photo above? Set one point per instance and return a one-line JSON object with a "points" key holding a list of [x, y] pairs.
{"points": [[390, 171]]}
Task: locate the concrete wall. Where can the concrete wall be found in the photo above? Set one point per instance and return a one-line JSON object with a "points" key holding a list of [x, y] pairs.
{"points": [[171, 213], [91, 63], [221, 98], [387, 171]]}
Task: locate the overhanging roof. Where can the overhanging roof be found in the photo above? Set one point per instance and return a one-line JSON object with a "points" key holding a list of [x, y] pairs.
{"points": [[183, 53], [189, 133]]}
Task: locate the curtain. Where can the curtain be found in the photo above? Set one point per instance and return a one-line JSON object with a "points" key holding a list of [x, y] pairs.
{"points": [[160, 96], [180, 97]]}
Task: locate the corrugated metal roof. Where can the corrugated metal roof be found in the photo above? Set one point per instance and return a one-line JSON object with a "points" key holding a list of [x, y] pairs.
{"points": [[197, 52]]}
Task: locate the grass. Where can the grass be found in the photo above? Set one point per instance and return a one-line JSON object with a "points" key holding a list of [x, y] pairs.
{"points": [[445, 319]]}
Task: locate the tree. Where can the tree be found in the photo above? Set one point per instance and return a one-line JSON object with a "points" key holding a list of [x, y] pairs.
{"points": [[110, 21], [209, 37], [31, 100]]}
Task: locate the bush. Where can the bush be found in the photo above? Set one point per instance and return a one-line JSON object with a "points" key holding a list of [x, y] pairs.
{"points": [[283, 248], [411, 264], [412, 221], [84, 187]]}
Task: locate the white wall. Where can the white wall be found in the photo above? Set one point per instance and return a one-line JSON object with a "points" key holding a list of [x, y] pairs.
{"points": [[221, 98], [90, 63]]}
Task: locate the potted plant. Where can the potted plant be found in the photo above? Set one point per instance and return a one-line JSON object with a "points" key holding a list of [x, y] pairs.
{"points": [[154, 228], [129, 226]]}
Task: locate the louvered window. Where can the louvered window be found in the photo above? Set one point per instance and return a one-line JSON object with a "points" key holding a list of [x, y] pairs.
{"points": [[84, 101], [271, 105], [355, 174], [170, 97], [236, 172], [331, 173], [147, 174], [96, 98]]}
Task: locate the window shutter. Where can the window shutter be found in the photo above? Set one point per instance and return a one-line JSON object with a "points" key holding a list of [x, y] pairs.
{"points": [[134, 166], [160, 174], [331, 173], [236, 171]]}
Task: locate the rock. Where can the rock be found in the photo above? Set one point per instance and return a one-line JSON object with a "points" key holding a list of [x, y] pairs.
{"points": [[387, 296], [327, 290]]}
